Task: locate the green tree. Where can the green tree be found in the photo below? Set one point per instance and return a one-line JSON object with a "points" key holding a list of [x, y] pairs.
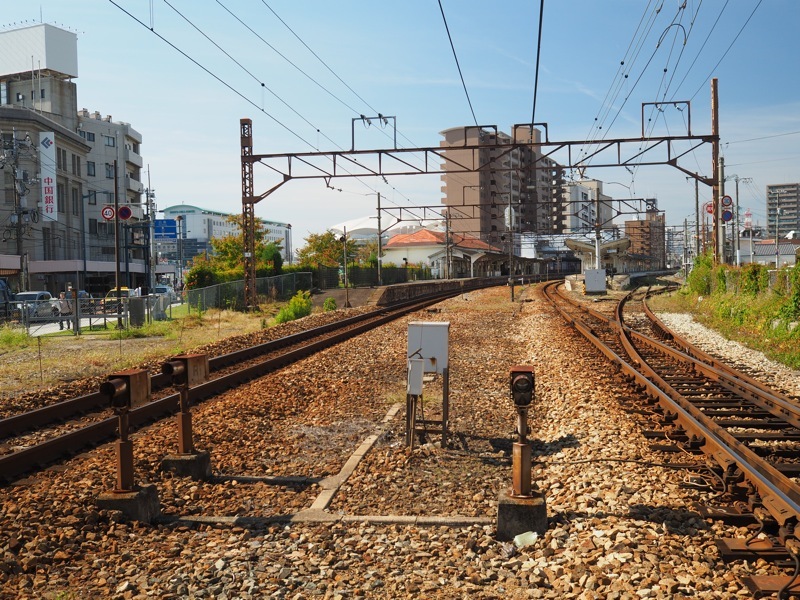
{"points": [[324, 249], [226, 261], [201, 274], [367, 253]]}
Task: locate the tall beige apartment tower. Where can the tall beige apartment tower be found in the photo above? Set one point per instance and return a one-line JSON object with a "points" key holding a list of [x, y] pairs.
{"points": [[509, 193]]}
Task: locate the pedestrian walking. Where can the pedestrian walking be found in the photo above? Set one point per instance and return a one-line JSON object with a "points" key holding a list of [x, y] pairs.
{"points": [[64, 309]]}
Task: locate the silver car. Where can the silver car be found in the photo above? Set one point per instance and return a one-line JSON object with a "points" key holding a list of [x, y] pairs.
{"points": [[36, 305], [166, 290]]}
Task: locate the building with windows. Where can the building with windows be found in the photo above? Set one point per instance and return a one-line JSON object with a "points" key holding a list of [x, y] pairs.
{"points": [[58, 172], [648, 239], [783, 209], [195, 227], [586, 208], [515, 192]]}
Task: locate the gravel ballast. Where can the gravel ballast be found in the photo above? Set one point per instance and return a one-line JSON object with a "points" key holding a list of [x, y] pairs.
{"points": [[620, 526]]}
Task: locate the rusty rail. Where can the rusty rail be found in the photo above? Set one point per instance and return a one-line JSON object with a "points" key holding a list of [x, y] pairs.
{"points": [[35, 457]]}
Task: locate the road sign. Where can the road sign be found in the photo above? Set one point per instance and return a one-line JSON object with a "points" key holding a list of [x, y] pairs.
{"points": [[165, 229], [709, 208], [125, 212], [727, 215], [107, 213], [727, 201]]}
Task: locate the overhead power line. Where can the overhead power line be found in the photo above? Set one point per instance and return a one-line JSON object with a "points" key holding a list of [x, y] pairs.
{"points": [[733, 41], [766, 137], [460, 74], [214, 75], [538, 57], [241, 66]]}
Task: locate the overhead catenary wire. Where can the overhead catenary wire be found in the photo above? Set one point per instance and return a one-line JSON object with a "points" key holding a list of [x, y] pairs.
{"points": [[626, 64], [214, 75], [254, 77], [728, 49], [326, 65], [356, 94], [240, 94], [455, 56], [538, 58]]}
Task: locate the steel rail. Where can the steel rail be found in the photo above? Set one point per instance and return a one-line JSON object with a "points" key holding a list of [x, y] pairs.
{"points": [[40, 455], [93, 402], [778, 495], [780, 399]]}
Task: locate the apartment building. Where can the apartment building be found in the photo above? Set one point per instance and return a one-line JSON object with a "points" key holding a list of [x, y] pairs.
{"points": [[497, 188], [585, 208], [61, 167], [648, 238], [783, 209]]}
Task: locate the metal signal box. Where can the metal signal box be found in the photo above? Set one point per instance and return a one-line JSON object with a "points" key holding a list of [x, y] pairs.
{"points": [[127, 389], [187, 369], [429, 342]]}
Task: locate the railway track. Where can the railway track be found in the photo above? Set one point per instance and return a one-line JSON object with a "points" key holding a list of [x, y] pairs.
{"points": [[749, 433], [36, 439]]}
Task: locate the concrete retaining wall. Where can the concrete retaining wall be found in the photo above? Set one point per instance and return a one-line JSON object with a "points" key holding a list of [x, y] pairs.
{"points": [[408, 291]]}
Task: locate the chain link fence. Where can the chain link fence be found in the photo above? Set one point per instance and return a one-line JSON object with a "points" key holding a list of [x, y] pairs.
{"points": [[230, 295]]}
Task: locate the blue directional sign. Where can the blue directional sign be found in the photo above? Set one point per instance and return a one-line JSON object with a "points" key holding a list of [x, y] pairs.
{"points": [[166, 229]]}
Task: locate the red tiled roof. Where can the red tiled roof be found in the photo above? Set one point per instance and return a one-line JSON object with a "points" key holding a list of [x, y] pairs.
{"points": [[427, 237]]}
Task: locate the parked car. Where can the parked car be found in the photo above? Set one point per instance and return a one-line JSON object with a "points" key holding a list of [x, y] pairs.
{"points": [[37, 305], [110, 303], [165, 290]]}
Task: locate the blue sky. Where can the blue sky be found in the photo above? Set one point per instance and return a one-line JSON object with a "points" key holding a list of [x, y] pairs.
{"points": [[395, 58]]}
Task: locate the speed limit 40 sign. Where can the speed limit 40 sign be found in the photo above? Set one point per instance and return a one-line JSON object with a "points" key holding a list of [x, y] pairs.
{"points": [[107, 213]]}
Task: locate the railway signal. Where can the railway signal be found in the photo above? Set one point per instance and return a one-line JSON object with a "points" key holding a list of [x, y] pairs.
{"points": [[187, 371], [522, 509], [127, 390]]}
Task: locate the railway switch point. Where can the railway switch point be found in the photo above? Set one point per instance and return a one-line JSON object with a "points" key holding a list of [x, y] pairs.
{"points": [[187, 371], [522, 509], [126, 390]]}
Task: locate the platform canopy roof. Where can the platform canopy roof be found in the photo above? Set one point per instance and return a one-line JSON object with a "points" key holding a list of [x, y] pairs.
{"points": [[368, 226]]}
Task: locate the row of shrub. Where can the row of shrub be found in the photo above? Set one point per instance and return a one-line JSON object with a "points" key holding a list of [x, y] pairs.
{"points": [[752, 303]]}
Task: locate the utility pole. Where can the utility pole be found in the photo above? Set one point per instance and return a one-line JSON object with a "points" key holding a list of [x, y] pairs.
{"points": [[380, 243], [716, 177], [152, 261], [696, 215], [736, 216], [116, 246], [685, 250], [344, 257], [777, 229], [447, 249], [22, 216], [721, 227]]}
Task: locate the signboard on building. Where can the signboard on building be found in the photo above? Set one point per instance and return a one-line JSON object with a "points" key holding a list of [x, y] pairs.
{"points": [[47, 160], [165, 229]]}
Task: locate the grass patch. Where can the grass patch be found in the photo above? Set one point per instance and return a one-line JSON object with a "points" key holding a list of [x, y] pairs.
{"points": [[741, 307], [164, 329], [13, 337], [299, 306]]}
